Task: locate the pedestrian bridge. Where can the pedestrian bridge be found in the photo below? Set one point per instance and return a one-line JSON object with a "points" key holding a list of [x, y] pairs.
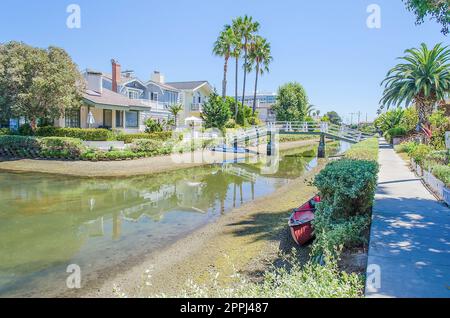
{"points": [[324, 130]]}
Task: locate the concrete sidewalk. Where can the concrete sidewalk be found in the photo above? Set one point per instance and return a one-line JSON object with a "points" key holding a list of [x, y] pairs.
{"points": [[409, 252]]}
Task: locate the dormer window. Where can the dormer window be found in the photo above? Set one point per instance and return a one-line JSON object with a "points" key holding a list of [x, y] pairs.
{"points": [[134, 94]]}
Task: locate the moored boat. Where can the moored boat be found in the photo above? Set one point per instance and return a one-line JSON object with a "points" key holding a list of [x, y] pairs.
{"points": [[300, 222]]}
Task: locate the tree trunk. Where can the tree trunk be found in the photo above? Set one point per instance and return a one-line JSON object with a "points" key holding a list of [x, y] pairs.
{"points": [[236, 107], [245, 71], [224, 82], [33, 124], [256, 88]]}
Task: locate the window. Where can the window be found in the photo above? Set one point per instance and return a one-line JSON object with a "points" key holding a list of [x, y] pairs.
{"points": [[72, 118], [119, 118], [154, 96], [132, 94], [132, 119]]}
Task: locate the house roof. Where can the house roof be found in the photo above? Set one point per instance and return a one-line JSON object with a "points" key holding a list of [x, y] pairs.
{"points": [[192, 85], [111, 98]]}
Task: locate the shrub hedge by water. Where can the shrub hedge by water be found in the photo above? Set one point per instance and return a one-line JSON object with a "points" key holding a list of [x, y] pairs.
{"points": [[129, 138], [90, 134], [347, 188]]}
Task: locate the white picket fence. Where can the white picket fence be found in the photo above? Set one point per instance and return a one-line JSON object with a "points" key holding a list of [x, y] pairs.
{"points": [[437, 186]]}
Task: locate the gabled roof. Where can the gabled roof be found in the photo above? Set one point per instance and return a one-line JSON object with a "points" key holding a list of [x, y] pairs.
{"points": [[192, 85]]}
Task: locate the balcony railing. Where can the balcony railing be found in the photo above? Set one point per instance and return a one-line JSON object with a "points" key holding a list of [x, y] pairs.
{"points": [[155, 104], [196, 107]]}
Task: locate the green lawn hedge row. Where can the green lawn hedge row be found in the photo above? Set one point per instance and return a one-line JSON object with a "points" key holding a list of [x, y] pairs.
{"points": [[129, 138]]}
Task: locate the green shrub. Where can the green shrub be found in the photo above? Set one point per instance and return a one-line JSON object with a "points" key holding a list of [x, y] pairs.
{"points": [[348, 186], [337, 233], [394, 132], [442, 173], [406, 147], [365, 150], [61, 147], [420, 153], [5, 132], [25, 130], [129, 138], [16, 143], [152, 126], [88, 134]]}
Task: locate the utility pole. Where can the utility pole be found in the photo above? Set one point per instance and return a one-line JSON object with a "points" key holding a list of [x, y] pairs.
{"points": [[351, 120], [359, 117]]}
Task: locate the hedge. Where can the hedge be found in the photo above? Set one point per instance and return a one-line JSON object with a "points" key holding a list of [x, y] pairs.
{"points": [[365, 150], [129, 138], [5, 131], [90, 134]]}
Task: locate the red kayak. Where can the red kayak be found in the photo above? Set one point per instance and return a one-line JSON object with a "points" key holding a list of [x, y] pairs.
{"points": [[300, 221]]}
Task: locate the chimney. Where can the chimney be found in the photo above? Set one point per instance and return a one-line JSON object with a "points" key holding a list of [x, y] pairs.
{"points": [[116, 75], [94, 81], [158, 77]]}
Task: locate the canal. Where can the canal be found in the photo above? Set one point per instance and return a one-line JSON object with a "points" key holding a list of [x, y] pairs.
{"points": [[49, 222]]}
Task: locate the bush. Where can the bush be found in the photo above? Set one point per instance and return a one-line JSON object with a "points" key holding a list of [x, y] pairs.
{"points": [[395, 132], [88, 134], [25, 130], [406, 147], [365, 150], [152, 126], [19, 146], [332, 234], [61, 147], [420, 153], [5, 132], [442, 173], [348, 186], [129, 138]]}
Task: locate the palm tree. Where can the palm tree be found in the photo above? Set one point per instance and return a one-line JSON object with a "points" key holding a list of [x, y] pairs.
{"points": [[423, 79], [236, 53], [310, 109], [259, 57], [247, 28], [223, 47], [175, 110]]}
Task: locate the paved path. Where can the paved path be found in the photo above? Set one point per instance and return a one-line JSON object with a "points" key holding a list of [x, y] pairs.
{"points": [[410, 237]]}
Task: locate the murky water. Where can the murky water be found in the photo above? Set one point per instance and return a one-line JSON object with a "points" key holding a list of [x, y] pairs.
{"points": [[48, 222]]}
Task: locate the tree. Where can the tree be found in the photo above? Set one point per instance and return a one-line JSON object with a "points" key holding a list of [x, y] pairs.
{"points": [[311, 110], [437, 9], [259, 57], [37, 83], [247, 29], [389, 119], [216, 112], [291, 103], [334, 118], [224, 47], [175, 110], [423, 79], [236, 53]]}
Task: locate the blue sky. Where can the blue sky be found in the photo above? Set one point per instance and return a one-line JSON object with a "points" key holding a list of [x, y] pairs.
{"points": [[324, 44]]}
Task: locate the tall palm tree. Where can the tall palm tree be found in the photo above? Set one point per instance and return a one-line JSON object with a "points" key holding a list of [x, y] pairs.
{"points": [[423, 79], [223, 47], [259, 57], [175, 110], [236, 53], [247, 28]]}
